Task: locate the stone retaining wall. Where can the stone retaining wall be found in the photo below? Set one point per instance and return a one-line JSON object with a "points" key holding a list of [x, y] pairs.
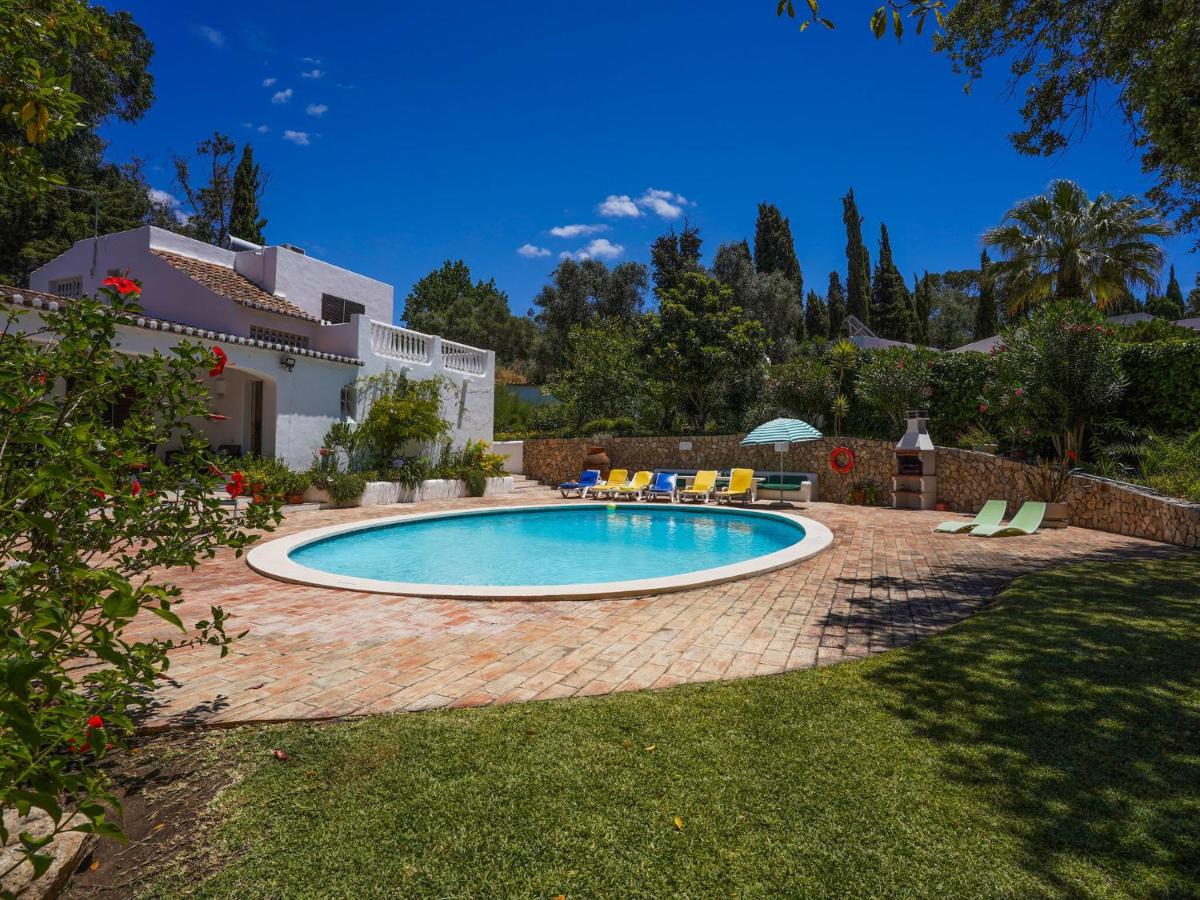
{"points": [[965, 478]]}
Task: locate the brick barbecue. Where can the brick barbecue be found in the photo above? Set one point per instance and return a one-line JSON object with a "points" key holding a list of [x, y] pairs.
{"points": [[914, 484]]}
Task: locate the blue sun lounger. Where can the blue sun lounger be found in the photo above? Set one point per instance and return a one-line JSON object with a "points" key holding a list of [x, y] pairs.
{"points": [[662, 486], [588, 479]]}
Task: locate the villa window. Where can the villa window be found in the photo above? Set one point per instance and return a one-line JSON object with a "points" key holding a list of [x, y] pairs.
{"points": [[349, 401], [275, 336], [70, 288], [338, 310]]}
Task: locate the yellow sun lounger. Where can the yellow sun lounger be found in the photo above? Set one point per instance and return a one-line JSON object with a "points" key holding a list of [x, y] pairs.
{"points": [[741, 486], [640, 481], [702, 486], [616, 478]]}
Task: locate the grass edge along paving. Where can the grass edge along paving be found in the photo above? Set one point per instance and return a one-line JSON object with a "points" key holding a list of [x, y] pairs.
{"points": [[1047, 746]]}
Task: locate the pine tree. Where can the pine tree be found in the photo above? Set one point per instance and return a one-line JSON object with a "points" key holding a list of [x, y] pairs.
{"points": [[858, 263], [673, 255], [244, 216], [773, 247], [986, 322], [836, 299], [922, 302], [891, 304], [816, 317]]}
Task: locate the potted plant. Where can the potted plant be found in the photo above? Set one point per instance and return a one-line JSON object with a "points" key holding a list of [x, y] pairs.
{"points": [[293, 485], [864, 493], [1050, 482], [979, 439]]}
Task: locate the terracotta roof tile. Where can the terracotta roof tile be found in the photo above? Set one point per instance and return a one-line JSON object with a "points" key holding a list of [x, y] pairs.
{"points": [[228, 283], [41, 300]]}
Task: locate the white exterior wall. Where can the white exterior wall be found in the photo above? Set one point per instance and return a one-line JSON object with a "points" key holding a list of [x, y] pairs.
{"points": [[298, 406], [302, 280]]}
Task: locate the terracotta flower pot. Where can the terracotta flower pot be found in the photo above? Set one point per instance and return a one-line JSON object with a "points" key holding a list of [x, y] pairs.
{"points": [[294, 498], [1058, 515], [597, 459]]}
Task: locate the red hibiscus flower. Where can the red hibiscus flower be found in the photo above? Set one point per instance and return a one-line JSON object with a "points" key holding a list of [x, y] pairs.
{"points": [[222, 361], [95, 722], [99, 494], [1071, 455], [123, 285], [216, 417], [135, 488], [237, 486]]}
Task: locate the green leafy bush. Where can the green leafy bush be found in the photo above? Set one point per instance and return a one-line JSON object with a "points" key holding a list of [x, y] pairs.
{"points": [[346, 488], [1172, 465], [90, 517], [403, 414], [476, 480], [1164, 385]]}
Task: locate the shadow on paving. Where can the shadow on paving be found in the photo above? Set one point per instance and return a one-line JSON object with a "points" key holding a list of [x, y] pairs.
{"points": [[1080, 720]]}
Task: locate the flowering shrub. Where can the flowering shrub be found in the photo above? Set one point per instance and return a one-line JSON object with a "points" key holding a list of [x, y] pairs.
{"points": [[1058, 373], [893, 381], [89, 518]]}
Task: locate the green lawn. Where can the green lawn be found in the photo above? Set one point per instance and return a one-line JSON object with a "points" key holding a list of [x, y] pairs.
{"points": [[1050, 746]]}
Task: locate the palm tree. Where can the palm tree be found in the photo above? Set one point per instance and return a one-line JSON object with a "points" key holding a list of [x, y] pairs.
{"points": [[1062, 245]]}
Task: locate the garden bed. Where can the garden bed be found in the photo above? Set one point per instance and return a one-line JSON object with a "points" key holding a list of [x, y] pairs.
{"points": [[384, 493]]}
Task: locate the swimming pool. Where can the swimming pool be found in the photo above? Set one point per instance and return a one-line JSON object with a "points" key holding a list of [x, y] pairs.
{"points": [[561, 551]]}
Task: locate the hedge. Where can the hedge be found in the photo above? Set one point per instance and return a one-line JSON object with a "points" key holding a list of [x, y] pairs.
{"points": [[1164, 385]]}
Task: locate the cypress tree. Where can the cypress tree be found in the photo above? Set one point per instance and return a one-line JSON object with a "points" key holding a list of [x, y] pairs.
{"points": [[1174, 291], [816, 317], [836, 304], [922, 299], [244, 216], [891, 304], [858, 263], [986, 321], [773, 247]]}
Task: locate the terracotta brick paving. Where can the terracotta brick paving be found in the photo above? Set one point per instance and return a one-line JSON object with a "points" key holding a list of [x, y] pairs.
{"points": [[316, 653]]}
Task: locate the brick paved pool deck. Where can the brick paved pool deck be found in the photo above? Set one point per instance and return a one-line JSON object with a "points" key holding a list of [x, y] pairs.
{"points": [[313, 653]]}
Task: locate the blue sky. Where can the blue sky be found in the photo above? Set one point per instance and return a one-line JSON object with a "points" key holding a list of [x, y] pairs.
{"points": [[397, 135]]}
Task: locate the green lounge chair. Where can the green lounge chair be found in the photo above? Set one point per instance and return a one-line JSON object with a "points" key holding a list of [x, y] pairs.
{"points": [[991, 514], [1027, 520]]}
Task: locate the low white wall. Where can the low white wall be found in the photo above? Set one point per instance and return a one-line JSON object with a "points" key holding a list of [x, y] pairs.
{"points": [[514, 453], [385, 493]]}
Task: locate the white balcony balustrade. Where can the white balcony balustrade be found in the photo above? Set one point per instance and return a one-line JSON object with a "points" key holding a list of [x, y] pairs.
{"points": [[392, 342], [464, 359]]}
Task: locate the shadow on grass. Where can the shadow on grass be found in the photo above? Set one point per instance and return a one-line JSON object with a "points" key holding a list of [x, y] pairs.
{"points": [[945, 593], [1073, 708]]}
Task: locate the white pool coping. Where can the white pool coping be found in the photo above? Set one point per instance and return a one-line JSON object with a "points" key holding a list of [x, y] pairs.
{"points": [[273, 560]]}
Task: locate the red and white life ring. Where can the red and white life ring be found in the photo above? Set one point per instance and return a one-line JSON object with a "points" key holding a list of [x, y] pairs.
{"points": [[841, 460]]}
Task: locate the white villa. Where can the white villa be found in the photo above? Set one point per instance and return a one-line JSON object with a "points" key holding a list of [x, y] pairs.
{"points": [[299, 333]]}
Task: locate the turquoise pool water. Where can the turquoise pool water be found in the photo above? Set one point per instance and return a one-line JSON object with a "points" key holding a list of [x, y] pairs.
{"points": [[556, 545]]}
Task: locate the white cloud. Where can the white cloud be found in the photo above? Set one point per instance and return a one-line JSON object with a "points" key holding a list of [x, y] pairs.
{"points": [[316, 109], [619, 206], [600, 248], [282, 96], [310, 59], [210, 34], [570, 231], [163, 198], [263, 129], [529, 251], [666, 204], [267, 82], [302, 138], [168, 201], [314, 73]]}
